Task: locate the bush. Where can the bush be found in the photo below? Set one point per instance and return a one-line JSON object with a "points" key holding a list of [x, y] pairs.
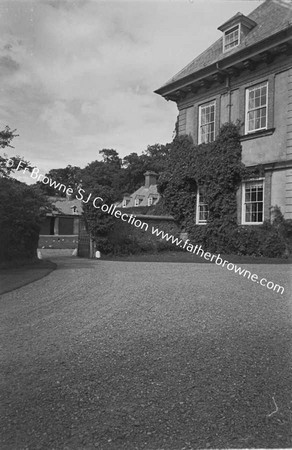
{"points": [[22, 208], [262, 240]]}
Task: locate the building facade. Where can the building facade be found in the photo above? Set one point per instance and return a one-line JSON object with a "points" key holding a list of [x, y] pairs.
{"points": [[245, 76], [60, 229]]}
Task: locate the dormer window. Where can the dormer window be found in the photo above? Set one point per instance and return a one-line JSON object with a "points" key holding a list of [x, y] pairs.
{"points": [[231, 38], [152, 200], [235, 30], [126, 201], [138, 201]]}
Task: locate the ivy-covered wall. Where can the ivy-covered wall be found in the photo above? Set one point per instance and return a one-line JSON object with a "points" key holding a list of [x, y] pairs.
{"points": [[216, 169]]}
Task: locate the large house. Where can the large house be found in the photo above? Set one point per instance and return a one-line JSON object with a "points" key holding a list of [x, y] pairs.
{"points": [[246, 75]]}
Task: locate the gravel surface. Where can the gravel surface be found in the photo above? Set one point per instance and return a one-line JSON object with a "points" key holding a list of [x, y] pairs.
{"points": [[14, 278], [156, 356]]}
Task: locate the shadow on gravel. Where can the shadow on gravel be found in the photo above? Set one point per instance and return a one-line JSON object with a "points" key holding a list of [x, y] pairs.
{"points": [[14, 278]]}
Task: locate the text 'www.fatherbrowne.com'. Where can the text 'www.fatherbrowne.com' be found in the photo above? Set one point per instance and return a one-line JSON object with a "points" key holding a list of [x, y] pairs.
{"points": [[197, 250]]}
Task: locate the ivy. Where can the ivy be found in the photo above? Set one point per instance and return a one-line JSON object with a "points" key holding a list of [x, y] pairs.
{"points": [[216, 169]]}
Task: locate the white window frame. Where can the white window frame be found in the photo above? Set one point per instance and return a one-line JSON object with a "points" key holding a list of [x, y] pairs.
{"points": [[201, 107], [138, 201], [238, 26], [247, 111], [152, 200], [243, 202], [125, 202], [198, 221]]}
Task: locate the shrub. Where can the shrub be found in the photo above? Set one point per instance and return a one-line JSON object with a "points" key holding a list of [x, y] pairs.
{"points": [[22, 208]]}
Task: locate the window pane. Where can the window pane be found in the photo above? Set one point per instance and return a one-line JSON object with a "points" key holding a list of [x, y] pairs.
{"points": [[202, 209], [254, 202], [207, 123], [257, 107], [252, 115], [231, 37]]}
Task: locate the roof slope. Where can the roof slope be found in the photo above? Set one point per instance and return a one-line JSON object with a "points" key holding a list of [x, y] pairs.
{"points": [[143, 193], [271, 17], [67, 207]]}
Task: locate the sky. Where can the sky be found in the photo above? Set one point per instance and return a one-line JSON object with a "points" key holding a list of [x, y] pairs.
{"points": [[78, 76]]}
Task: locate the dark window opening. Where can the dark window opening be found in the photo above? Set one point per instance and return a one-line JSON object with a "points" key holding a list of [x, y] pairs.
{"points": [[52, 225]]}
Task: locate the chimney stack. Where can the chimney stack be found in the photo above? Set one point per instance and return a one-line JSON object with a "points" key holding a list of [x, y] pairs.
{"points": [[150, 178]]}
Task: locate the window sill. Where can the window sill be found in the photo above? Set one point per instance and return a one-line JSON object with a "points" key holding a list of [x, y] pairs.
{"points": [[226, 50], [257, 134], [252, 223]]}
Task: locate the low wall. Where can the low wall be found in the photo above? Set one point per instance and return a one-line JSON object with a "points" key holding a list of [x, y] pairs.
{"points": [[58, 241]]}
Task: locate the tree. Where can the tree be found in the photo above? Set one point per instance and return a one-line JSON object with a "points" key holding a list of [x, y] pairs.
{"points": [[22, 208], [98, 223], [101, 179], [110, 156], [8, 164], [70, 176], [135, 166], [104, 173]]}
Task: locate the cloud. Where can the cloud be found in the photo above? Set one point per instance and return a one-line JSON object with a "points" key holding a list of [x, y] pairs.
{"points": [[59, 119], [78, 76]]}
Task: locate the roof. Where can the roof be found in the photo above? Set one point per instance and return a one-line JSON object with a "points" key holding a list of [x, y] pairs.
{"points": [[143, 194], [271, 17], [67, 207], [235, 19]]}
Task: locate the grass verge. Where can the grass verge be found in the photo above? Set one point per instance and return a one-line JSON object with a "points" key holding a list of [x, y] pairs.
{"points": [[12, 278], [186, 257]]}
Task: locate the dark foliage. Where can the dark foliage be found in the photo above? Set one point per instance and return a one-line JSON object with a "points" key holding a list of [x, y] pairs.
{"points": [[134, 166], [9, 164], [22, 208], [109, 179], [70, 176], [217, 171]]}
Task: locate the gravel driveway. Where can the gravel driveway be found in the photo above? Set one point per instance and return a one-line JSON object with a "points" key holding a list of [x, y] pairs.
{"points": [[120, 355]]}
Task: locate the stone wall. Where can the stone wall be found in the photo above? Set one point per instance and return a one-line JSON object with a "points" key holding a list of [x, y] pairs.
{"points": [[58, 241]]}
